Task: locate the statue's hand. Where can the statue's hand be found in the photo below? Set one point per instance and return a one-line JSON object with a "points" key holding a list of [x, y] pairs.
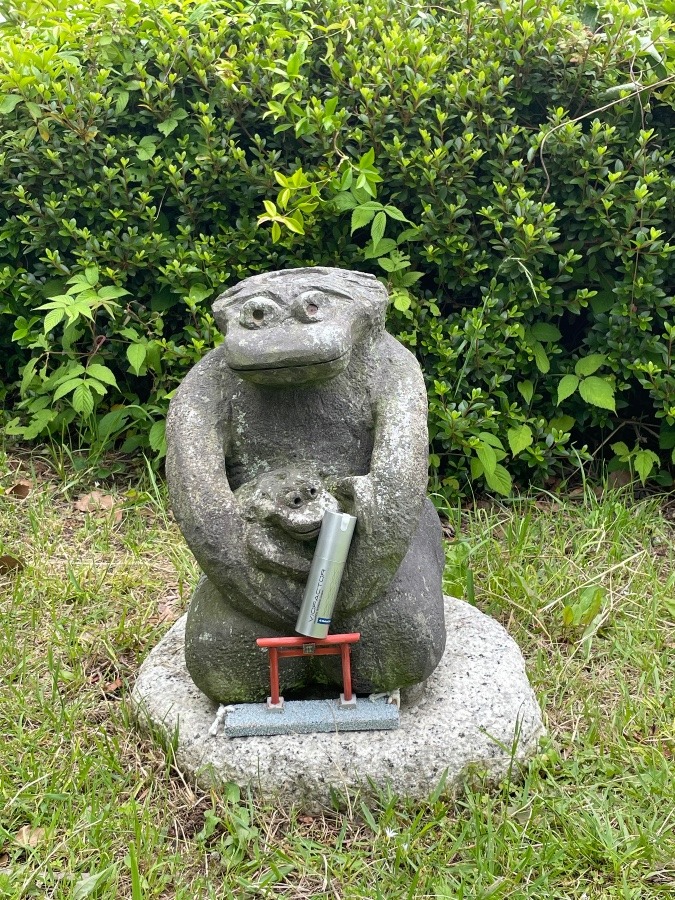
{"points": [[356, 495]]}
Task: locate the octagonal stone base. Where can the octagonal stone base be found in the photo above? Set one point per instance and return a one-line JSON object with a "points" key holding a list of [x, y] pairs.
{"points": [[477, 709]]}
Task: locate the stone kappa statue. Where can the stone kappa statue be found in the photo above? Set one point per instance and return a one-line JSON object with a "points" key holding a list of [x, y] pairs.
{"points": [[307, 405]]}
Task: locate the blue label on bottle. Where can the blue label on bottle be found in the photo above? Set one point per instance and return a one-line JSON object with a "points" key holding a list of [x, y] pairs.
{"points": [[323, 621]]}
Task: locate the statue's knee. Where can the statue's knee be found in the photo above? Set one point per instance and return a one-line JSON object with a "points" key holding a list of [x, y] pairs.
{"points": [[221, 653]]}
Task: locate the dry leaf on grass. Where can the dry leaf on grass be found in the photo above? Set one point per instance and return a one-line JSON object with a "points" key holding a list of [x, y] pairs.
{"points": [[20, 490], [618, 479], [10, 564], [108, 687], [168, 609], [4, 860], [448, 531], [29, 837], [112, 686], [97, 501]]}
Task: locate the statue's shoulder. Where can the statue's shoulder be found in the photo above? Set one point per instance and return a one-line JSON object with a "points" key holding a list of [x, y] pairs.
{"points": [[211, 367], [391, 357]]}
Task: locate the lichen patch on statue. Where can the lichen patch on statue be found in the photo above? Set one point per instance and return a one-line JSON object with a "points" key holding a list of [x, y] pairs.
{"points": [[307, 405]]}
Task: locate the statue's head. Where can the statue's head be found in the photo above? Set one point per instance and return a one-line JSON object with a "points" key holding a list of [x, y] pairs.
{"points": [[298, 326], [293, 499]]}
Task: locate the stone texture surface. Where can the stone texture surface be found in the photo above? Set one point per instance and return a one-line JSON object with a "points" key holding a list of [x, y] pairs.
{"points": [[472, 706], [307, 392]]}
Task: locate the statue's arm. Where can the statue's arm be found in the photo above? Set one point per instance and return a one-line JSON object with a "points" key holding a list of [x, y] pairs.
{"points": [[201, 498], [388, 500]]}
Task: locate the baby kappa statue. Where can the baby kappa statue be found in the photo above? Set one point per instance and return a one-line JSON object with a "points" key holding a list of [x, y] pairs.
{"points": [[307, 405]]}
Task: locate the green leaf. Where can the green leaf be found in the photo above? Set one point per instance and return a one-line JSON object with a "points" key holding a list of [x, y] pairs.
{"points": [[476, 468], [346, 179], [590, 364], [562, 423], [567, 616], [88, 885], [542, 331], [136, 354], [65, 373], [157, 437], [28, 374], [79, 286], [526, 390], [91, 275], [111, 292], [566, 387], [401, 300], [644, 462], [588, 605], [344, 201], [293, 224], [602, 302], [490, 439], [66, 387], [362, 215], [667, 437], [111, 422], [621, 450], [199, 292], [589, 16], [540, 357], [97, 386], [598, 392], [146, 149], [37, 426], [232, 792], [386, 245], [368, 818], [102, 373], [121, 102], [294, 63], [377, 228], [519, 438], [52, 319], [9, 102], [499, 480], [167, 126], [79, 308], [83, 400], [394, 213], [488, 458]]}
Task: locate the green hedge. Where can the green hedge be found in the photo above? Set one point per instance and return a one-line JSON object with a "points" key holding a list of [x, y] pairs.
{"points": [[506, 167]]}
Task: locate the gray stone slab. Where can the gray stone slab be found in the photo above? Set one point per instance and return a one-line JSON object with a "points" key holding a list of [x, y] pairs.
{"points": [[477, 709], [308, 717]]}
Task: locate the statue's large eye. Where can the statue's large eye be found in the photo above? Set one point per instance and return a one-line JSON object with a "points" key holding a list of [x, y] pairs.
{"points": [[310, 306], [259, 311]]}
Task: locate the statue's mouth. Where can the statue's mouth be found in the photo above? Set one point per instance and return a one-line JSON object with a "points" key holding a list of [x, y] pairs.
{"points": [[319, 363], [305, 533]]}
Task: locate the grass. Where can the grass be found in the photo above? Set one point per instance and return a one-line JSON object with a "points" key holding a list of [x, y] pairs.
{"points": [[91, 808]]}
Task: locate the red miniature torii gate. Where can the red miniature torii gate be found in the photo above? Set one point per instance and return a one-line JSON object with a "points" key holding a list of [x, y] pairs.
{"points": [[332, 645]]}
